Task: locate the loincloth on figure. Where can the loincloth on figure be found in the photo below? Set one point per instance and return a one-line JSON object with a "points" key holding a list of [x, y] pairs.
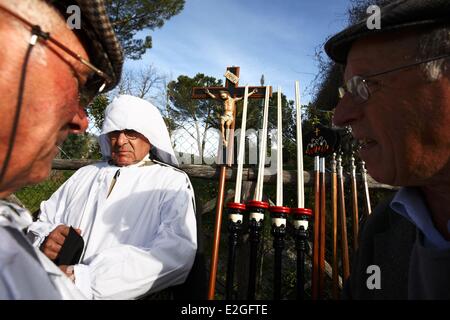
{"points": [[227, 116]]}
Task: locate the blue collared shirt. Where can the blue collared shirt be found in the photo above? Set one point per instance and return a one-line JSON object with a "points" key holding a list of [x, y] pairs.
{"points": [[409, 203]]}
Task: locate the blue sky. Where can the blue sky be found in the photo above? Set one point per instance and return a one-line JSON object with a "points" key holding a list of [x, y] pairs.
{"points": [[274, 38]]}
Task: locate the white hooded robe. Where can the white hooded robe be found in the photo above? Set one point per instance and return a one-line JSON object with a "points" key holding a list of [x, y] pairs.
{"points": [[142, 237]]}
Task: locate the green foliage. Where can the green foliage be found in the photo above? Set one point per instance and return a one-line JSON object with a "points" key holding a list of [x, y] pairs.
{"points": [[132, 16], [180, 93], [204, 113], [97, 110], [32, 196], [330, 75], [85, 146], [80, 146]]}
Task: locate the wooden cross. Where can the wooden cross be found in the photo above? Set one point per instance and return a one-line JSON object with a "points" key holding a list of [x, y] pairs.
{"points": [[235, 92], [231, 86]]}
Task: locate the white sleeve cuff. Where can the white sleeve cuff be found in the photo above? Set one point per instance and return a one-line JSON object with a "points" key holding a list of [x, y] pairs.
{"points": [[38, 231], [83, 279]]}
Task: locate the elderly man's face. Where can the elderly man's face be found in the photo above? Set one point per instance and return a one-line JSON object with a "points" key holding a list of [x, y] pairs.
{"points": [[50, 108], [128, 147], [405, 124]]}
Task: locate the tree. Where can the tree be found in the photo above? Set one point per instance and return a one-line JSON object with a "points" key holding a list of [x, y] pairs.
{"points": [[80, 146], [149, 84], [203, 113], [289, 125], [129, 17], [144, 83], [96, 110], [166, 107], [330, 75]]}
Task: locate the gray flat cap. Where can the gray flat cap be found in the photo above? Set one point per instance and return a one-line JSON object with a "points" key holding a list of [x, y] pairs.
{"points": [[98, 36], [394, 16]]}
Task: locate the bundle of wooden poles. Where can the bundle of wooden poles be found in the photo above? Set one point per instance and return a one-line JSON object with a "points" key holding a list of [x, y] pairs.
{"points": [[300, 217]]}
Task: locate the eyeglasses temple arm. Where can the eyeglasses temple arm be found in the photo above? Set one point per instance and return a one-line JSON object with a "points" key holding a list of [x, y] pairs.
{"points": [[407, 66]]}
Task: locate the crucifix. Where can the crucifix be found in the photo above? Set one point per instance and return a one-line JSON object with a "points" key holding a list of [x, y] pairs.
{"points": [[230, 94]]}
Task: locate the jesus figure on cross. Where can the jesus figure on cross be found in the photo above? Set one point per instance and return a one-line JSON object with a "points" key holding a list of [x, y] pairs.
{"points": [[229, 104]]}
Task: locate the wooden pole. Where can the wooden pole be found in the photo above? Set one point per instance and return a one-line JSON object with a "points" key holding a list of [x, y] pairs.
{"points": [[343, 221], [334, 204], [354, 203], [322, 229], [315, 270], [365, 189], [216, 241], [219, 209]]}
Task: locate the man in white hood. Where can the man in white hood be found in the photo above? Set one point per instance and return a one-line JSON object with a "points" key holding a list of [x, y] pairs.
{"points": [[135, 212]]}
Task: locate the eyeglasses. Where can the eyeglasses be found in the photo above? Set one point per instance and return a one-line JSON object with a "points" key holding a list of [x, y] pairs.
{"points": [[358, 86], [97, 80], [129, 134]]}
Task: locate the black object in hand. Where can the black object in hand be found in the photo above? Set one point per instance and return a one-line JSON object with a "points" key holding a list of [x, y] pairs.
{"points": [[71, 250]]}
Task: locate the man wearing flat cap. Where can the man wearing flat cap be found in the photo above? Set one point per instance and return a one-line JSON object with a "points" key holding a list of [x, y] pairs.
{"points": [[396, 99], [48, 75]]}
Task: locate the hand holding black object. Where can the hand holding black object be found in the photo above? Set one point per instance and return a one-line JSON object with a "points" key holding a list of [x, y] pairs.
{"points": [[64, 245]]}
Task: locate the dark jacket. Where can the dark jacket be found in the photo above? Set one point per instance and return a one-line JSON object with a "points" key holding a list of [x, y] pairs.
{"points": [[386, 240]]}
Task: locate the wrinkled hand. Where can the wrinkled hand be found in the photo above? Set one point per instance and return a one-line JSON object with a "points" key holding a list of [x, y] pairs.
{"points": [[54, 241], [68, 271]]}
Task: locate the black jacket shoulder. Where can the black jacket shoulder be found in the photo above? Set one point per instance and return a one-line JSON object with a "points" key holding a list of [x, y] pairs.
{"points": [[385, 240]]}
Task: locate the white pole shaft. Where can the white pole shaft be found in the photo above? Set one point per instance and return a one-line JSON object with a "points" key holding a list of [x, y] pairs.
{"points": [[316, 163], [262, 149], [300, 181], [279, 152], [241, 152]]}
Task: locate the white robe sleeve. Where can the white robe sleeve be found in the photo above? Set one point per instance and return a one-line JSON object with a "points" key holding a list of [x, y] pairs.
{"points": [[127, 272], [51, 212]]}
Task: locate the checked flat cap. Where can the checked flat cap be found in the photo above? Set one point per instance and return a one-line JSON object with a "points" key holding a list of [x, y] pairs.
{"points": [[394, 16], [97, 35]]}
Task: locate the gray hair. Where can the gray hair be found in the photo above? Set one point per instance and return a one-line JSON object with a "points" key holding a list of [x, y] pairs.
{"points": [[433, 44], [36, 11]]}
